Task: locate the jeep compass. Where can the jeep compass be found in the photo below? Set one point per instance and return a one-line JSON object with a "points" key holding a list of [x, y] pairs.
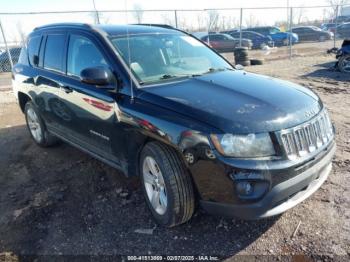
{"points": [[157, 103]]}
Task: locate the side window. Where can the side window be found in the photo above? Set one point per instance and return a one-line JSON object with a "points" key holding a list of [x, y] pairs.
{"points": [[82, 53], [54, 52], [33, 47]]}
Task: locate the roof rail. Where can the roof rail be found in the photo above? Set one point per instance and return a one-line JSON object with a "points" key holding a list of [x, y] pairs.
{"points": [[166, 27], [157, 25], [81, 25]]}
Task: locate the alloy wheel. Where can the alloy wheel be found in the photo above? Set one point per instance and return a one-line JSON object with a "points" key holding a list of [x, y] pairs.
{"points": [[34, 125], [154, 185]]}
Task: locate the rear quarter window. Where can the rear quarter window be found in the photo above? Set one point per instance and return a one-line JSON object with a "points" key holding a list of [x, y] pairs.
{"points": [[23, 56], [33, 48]]}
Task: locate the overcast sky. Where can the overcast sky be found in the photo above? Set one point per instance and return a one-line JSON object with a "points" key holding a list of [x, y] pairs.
{"points": [[54, 5], [14, 23]]}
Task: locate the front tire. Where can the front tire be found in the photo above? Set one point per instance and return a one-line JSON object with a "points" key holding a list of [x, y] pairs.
{"points": [[167, 185], [37, 128]]}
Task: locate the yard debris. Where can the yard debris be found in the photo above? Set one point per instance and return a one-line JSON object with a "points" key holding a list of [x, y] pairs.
{"points": [[146, 231], [296, 230]]}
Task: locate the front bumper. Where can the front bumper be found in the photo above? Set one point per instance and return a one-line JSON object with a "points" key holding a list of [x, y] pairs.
{"points": [[281, 197]]}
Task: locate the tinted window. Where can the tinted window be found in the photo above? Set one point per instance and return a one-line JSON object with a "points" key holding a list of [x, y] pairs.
{"points": [[54, 52], [82, 53], [33, 47], [216, 37]]}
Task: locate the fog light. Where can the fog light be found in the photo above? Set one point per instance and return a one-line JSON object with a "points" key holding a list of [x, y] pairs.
{"points": [[244, 188]]}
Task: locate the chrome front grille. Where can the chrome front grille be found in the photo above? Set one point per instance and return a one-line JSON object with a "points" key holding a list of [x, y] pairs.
{"points": [[306, 138]]}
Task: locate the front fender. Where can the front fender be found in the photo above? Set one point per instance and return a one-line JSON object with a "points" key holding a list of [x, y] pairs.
{"points": [[142, 122]]}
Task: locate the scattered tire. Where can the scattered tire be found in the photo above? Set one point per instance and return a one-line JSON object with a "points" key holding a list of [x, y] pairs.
{"points": [[37, 128], [256, 62], [344, 64], [242, 48], [245, 63], [166, 184], [242, 56]]}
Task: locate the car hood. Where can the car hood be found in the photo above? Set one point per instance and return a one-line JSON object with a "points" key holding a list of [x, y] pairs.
{"points": [[237, 101]]}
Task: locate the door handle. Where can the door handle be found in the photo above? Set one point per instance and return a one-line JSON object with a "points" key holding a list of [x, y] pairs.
{"points": [[67, 89]]}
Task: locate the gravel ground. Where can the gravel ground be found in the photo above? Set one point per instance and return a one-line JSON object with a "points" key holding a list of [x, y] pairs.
{"points": [[61, 201]]}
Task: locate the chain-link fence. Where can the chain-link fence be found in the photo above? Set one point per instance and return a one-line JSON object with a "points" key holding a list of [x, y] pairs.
{"points": [[271, 33]]}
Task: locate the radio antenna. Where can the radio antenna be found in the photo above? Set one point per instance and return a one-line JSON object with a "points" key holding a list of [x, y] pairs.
{"points": [[129, 52]]}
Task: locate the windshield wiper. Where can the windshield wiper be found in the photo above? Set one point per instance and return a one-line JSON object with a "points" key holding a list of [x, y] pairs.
{"points": [[212, 70], [167, 76]]}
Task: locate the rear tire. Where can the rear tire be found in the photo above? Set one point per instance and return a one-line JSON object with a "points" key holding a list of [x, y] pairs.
{"points": [[344, 64], [37, 128], [165, 179]]}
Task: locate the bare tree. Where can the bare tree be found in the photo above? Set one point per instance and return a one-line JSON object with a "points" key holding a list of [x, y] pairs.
{"points": [[96, 16], [166, 19], [22, 35], [200, 22], [298, 15], [213, 19], [252, 21], [138, 13], [335, 4]]}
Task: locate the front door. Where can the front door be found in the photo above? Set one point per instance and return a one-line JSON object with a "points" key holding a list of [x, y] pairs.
{"points": [[90, 117]]}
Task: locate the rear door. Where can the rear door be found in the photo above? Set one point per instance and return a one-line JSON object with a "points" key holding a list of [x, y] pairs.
{"points": [[49, 71], [230, 43]]}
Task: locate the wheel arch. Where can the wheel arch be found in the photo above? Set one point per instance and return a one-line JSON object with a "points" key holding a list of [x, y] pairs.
{"points": [[135, 149], [23, 98]]}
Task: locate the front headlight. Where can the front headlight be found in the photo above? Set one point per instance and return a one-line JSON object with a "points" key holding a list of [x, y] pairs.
{"points": [[250, 146]]}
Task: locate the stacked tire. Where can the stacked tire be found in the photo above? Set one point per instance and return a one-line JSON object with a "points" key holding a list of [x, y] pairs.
{"points": [[241, 56]]}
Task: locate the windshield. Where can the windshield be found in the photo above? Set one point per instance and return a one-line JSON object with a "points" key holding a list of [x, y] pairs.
{"points": [[275, 30], [159, 57]]}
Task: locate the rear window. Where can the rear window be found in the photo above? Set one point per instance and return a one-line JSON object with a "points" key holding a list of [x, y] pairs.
{"points": [[54, 52], [33, 47]]}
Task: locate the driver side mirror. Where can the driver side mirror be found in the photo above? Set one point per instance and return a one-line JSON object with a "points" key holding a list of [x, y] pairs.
{"points": [[36, 60], [99, 76]]}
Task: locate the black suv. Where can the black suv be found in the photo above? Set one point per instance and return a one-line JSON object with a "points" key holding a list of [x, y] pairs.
{"points": [[157, 103]]}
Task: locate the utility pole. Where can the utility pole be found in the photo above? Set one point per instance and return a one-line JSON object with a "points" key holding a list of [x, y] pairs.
{"points": [[240, 27], [175, 13]]}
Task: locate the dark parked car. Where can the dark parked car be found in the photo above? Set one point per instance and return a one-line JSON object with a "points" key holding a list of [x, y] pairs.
{"points": [[342, 19], [312, 33], [224, 42], [329, 27], [278, 37], [343, 56], [5, 65], [158, 103], [343, 30], [259, 41]]}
